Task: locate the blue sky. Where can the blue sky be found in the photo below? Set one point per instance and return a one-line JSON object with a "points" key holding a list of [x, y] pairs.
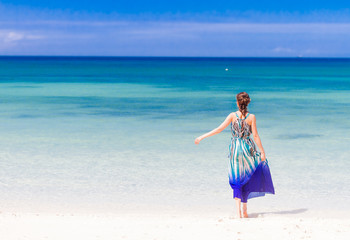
{"points": [[227, 28]]}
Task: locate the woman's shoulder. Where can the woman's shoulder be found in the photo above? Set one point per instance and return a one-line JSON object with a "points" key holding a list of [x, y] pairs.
{"points": [[251, 117], [232, 115]]}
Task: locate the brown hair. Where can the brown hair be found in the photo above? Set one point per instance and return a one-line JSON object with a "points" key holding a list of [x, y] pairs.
{"points": [[243, 100]]}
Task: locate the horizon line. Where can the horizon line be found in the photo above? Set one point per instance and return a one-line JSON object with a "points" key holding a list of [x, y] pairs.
{"points": [[125, 56]]}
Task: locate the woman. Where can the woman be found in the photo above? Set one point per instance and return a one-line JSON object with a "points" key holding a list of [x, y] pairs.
{"points": [[249, 173]]}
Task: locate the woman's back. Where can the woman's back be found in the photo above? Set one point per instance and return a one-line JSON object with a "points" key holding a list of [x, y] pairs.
{"points": [[241, 126]]}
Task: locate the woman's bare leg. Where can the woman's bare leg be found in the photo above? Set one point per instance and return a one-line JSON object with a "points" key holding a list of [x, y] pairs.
{"points": [[238, 205], [245, 213]]}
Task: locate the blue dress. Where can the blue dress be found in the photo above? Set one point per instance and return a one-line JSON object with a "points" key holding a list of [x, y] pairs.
{"points": [[248, 176]]}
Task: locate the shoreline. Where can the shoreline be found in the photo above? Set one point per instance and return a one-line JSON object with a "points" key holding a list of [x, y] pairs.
{"points": [[175, 225], [258, 209]]}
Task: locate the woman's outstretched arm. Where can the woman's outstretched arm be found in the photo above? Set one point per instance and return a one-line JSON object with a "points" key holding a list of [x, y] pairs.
{"points": [[217, 130], [257, 138]]}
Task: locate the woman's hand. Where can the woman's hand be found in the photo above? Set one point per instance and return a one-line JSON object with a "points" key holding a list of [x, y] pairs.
{"points": [[263, 157], [198, 139]]}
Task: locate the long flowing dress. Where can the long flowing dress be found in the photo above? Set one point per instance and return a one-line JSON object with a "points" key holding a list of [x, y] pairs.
{"points": [[249, 177]]}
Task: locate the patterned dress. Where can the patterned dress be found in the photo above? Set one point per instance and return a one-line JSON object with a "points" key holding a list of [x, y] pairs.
{"points": [[248, 176]]}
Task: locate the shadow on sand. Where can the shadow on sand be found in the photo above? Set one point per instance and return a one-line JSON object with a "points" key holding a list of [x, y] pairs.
{"points": [[295, 211]]}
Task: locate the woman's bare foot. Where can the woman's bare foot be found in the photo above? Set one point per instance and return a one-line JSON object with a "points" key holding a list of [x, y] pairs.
{"points": [[245, 214], [238, 206]]}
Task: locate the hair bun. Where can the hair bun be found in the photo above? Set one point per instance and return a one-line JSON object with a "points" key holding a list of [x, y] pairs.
{"points": [[243, 100]]}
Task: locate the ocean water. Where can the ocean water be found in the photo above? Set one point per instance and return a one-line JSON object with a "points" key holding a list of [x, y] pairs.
{"points": [[117, 134]]}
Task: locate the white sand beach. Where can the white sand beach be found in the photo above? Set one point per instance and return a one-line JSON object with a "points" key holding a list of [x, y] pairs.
{"points": [[170, 225]]}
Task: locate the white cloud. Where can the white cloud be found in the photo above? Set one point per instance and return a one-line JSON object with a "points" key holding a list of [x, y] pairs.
{"points": [[283, 50], [12, 37], [9, 36]]}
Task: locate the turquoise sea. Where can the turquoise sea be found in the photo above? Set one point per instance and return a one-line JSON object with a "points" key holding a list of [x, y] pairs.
{"points": [[117, 133]]}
